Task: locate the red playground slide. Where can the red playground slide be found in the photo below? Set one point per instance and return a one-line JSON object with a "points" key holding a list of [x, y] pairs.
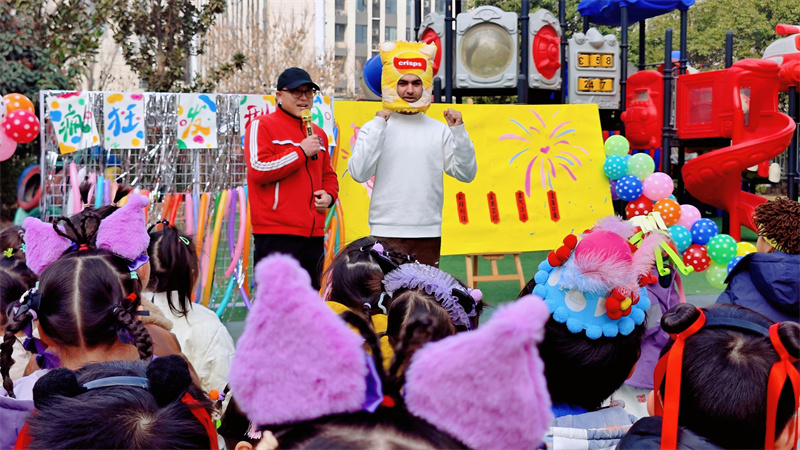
{"points": [[740, 103]]}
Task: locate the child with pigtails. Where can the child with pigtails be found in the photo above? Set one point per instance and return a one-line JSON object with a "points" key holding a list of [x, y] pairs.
{"points": [[85, 303]]}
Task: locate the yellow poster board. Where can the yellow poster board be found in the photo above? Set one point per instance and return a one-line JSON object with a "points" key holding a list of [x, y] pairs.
{"points": [[523, 152]]}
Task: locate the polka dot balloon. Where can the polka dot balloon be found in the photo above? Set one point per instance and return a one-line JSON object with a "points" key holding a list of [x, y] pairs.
{"points": [[641, 165], [15, 102], [689, 215], [715, 275], [697, 257], [617, 145], [681, 236], [721, 248], [615, 167], [642, 206], [703, 230], [22, 126], [745, 248], [670, 211], [657, 186], [629, 188], [733, 263]]}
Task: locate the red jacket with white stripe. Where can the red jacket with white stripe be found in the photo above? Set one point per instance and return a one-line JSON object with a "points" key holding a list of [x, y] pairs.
{"points": [[282, 180]]}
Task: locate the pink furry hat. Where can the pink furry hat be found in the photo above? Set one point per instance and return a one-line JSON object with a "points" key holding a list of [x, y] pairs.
{"points": [[42, 244], [487, 387], [603, 259], [124, 232], [296, 359]]}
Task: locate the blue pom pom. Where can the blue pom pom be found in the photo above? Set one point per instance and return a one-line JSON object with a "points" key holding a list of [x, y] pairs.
{"points": [[593, 332], [610, 330], [637, 315], [626, 325], [551, 305], [541, 277], [561, 315], [540, 290], [644, 300], [544, 265], [573, 325]]}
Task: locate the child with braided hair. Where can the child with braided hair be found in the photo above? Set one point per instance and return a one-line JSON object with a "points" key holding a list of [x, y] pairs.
{"points": [[11, 243], [15, 279], [85, 303], [768, 281]]}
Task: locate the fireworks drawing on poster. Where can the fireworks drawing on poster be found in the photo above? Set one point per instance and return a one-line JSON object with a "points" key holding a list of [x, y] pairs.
{"points": [[548, 146]]}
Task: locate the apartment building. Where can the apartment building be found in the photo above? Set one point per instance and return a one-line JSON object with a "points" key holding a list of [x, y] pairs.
{"points": [[351, 29]]}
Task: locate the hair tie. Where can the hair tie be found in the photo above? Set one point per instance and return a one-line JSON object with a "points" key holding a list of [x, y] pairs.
{"points": [[8, 252], [134, 275], [184, 240], [380, 303], [83, 247]]}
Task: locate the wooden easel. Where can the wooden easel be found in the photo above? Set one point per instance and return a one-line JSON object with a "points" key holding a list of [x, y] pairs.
{"points": [[472, 269]]}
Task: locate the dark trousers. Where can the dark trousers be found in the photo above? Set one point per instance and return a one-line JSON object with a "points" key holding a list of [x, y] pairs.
{"points": [[426, 250], [308, 251]]}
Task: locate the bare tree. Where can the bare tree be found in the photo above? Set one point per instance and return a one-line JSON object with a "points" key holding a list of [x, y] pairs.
{"points": [[286, 41]]}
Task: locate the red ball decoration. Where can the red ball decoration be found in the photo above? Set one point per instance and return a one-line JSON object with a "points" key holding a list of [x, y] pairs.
{"points": [[642, 206], [22, 126], [670, 211], [697, 257]]}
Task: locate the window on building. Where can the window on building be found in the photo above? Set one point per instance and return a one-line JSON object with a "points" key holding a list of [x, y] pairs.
{"points": [[390, 34], [376, 8], [361, 34], [361, 5], [340, 5], [341, 28], [441, 6], [391, 6], [408, 35]]}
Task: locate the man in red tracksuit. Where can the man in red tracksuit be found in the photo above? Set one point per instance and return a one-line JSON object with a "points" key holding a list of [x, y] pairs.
{"points": [[289, 176]]}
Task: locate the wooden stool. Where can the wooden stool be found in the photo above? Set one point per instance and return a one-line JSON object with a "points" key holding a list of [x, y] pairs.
{"points": [[472, 269]]}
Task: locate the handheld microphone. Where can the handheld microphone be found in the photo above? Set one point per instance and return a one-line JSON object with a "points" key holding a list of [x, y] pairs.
{"points": [[306, 116]]}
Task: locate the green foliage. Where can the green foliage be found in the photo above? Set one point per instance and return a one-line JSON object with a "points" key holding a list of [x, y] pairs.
{"points": [[752, 22], [158, 37]]}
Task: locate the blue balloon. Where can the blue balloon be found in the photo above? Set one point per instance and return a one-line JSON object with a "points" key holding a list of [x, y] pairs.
{"points": [[372, 74], [681, 236], [733, 262], [672, 197], [615, 167], [629, 188], [703, 230]]}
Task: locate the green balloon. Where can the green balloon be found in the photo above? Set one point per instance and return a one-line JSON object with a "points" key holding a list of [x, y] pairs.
{"points": [[641, 165], [721, 249], [617, 145], [715, 275]]}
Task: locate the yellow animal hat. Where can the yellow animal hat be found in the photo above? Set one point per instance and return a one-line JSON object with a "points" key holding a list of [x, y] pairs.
{"points": [[403, 58]]}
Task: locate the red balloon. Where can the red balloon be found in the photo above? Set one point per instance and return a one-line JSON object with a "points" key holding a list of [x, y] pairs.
{"points": [[22, 126], [642, 206], [697, 257]]}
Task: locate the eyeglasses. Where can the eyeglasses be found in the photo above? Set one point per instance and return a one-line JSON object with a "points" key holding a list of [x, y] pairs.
{"points": [[300, 93]]}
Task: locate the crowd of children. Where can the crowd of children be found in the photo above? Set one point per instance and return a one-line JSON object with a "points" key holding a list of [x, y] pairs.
{"points": [[103, 346]]}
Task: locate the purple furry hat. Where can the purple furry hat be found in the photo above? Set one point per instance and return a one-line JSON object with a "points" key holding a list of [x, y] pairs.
{"points": [[486, 387], [124, 232], [42, 244], [296, 359]]}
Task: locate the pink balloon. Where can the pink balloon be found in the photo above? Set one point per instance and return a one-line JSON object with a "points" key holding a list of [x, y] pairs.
{"points": [[7, 145], [689, 215], [657, 186]]}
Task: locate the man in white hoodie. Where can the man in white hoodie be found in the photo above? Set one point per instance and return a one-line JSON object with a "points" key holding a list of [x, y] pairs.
{"points": [[407, 153]]}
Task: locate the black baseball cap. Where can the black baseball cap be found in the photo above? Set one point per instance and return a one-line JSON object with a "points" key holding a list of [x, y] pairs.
{"points": [[295, 77]]}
